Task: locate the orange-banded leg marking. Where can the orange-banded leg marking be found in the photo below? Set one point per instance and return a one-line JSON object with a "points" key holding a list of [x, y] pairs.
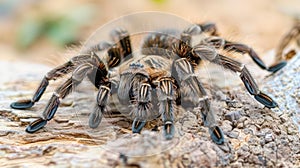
{"points": [[216, 135]]}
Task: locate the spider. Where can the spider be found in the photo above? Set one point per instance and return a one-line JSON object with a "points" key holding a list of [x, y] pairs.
{"points": [[293, 34], [151, 83]]}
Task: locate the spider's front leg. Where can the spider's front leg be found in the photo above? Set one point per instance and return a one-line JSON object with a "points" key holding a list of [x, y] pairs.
{"points": [[60, 93], [208, 53], [51, 75], [220, 43], [54, 74], [89, 66], [191, 88], [142, 106], [102, 100], [167, 93], [135, 89]]}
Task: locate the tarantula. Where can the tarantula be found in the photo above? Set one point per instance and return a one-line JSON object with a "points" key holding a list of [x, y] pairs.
{"points": [[151, 83], [293, 34]]}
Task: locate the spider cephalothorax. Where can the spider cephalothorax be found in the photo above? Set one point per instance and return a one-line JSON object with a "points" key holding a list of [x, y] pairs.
{"points": [[152, 82]]}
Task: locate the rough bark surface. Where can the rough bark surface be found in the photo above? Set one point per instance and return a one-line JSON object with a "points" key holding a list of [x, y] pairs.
{"points": [[255, 136]]}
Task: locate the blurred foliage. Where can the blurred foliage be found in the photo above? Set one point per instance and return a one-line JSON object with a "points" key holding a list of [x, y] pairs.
{"points": [[29, 32], [159, 1], [60, 29]]}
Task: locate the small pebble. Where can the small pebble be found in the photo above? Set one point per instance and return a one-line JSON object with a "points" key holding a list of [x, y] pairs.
{"points": [[226, 126], [259, 121], [252, 129], [291, 130], [233, 115], [269, 137], [233, 134], [236, 165], [66, 103], [256, 150], [240, 125]]}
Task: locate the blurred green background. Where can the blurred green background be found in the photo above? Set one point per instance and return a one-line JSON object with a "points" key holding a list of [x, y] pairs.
{"points": [[41, 30]]}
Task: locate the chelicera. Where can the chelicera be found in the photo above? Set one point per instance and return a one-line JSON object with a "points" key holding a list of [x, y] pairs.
{"points": [[152, 82]]}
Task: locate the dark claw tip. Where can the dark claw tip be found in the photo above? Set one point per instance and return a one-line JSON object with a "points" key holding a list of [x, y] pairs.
{"points": [[276, 67], [94, 120], [169, 130], [265, 100], [23, 104], [216, 135], [36, 125], [137, 126]]}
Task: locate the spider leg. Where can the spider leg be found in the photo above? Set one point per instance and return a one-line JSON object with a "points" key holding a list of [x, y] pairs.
{"points": [[197, 29], [102, 100], [220, 43], [54, 74], [209, 28], [50, 108], [183, 47], [167, 95], [116, 52], [113, 52], [57, 72], [98, 47], [210, 54], [122, 39], [294, 33], [60, 93], [138, 125], [193, 90], [134, 91], [142, 106], [90, 65]]}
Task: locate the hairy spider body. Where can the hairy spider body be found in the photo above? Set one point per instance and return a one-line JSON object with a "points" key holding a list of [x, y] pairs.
{"points": [[152, 82]]}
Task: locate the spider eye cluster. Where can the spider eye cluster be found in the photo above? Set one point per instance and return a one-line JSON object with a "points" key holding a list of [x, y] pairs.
{"points": [[136, 65]]}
